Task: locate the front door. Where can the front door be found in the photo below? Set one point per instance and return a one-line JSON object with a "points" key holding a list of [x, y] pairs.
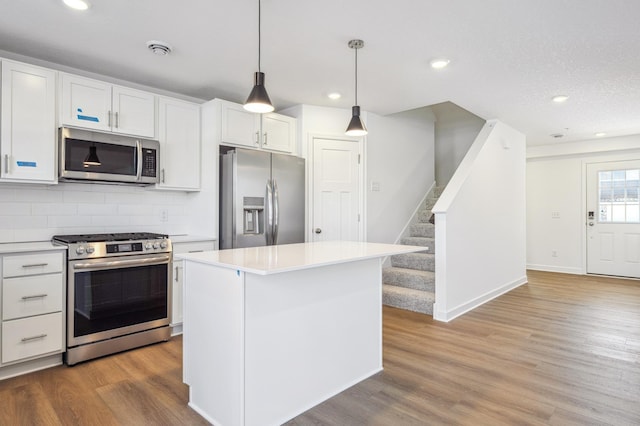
{"points": [[613, 218], [336, 190]]}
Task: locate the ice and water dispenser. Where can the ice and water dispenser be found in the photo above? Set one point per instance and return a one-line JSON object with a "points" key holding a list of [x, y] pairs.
{"points": [[253, 211]]}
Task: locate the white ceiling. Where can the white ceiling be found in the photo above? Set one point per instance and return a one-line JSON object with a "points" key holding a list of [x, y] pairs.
{"points": [[508, 57]]}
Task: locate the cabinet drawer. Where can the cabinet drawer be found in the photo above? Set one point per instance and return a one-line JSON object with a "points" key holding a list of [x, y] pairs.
{"points": [[29, 337], [29, 296], [193, 246], [31, 264]]}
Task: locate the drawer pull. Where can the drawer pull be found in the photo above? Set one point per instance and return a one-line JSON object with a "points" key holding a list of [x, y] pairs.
{"points": [[29, 339], [196, 251], [35, 296], [34, 265]]}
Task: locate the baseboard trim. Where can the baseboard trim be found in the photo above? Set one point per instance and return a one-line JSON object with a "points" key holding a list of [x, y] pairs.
{"points": [[551, 268], [446, 316]]}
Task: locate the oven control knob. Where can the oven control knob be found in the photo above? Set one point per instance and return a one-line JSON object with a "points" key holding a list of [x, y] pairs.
{"points": [[90, 250], [148, 246], [163, 245], [156, 245], [80, 250]]}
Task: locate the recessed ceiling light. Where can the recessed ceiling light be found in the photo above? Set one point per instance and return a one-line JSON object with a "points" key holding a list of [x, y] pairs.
{"points": [[560, 98], [77, 4], [600, 134], [439, 63], [334, 96], [159, 47]]}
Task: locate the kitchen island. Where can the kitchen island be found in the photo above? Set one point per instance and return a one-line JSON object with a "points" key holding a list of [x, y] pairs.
{"points": [[270, 332]]}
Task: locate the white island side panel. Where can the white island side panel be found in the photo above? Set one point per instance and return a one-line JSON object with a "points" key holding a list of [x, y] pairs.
{"points": [[309, 335], [213, 342]]}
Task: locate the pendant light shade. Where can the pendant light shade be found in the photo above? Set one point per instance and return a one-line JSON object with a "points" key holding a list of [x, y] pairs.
{"points": [[356, 127], [92, 159], [258, 100]]}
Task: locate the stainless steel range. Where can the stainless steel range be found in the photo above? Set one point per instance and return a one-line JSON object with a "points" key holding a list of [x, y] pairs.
{"points": [[118, 292]]}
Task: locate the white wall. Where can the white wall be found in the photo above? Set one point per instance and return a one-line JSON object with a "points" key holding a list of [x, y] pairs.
{"points": [[455, 131], [398, 155], [481, 224], [37, 212], [400, 152], [556, 183]]}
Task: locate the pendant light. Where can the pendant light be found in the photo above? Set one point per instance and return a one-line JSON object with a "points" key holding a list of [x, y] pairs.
{"points": [[92, 159], [356, 126], [258, 100]]}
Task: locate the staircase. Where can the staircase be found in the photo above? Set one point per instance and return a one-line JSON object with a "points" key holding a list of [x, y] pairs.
{"points": [[410, 281]]}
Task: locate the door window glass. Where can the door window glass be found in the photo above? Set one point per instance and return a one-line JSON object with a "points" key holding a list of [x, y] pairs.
{"points": [[619, 196]]}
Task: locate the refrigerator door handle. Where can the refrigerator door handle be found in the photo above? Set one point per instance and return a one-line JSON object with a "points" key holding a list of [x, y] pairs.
{"points": [[268, 231], [276, 212]]}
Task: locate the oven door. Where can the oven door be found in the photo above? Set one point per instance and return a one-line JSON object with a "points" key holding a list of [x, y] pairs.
{"points": [[115, 296]]}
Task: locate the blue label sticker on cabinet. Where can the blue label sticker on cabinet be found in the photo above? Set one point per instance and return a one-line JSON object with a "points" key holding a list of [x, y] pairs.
{"points": [[86, 117], [26, 164]]}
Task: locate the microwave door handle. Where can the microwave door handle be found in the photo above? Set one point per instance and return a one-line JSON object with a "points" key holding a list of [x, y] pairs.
{"points": [[138, 160]]}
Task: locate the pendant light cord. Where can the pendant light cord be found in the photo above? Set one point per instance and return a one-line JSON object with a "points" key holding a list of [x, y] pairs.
{"points": [[356, 75], [259, 33]]}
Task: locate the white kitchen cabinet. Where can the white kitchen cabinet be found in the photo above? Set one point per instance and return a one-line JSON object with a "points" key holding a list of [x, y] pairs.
{"points": [[93, 104], [27, 123], [275, 132], [179, 136], [178, 277], [33, 294]]}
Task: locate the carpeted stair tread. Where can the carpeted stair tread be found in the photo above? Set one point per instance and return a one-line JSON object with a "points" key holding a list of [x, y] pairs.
{"points": [[427, 230], [408, 298], [419, 261], [429, 243], [424, 216], [430, 202], [409, 278]]}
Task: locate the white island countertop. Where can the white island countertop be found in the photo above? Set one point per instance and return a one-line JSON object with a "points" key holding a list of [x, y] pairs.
{"points": [[293, 257]]}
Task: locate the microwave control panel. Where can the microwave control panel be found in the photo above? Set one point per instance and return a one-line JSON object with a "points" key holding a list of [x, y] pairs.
{"points": [[149, 160]]}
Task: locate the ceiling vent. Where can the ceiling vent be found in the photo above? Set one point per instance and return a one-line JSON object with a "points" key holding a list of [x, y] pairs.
{"points": [[159, 47]]}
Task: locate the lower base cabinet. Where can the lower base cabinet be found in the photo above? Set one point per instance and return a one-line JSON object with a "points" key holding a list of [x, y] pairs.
{"points": [[33, 336]]}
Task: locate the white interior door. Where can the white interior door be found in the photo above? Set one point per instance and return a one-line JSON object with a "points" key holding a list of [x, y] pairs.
{"points": [[613, 218], [337, 194]]}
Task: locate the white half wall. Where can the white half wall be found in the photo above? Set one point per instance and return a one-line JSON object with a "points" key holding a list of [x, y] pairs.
{"points": [[556, 186], [481, 224]]}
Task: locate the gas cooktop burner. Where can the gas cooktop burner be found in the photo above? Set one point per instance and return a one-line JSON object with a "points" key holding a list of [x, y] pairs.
{"points": [[96, 238]]}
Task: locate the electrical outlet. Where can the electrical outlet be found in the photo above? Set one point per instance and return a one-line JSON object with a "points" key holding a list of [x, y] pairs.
{"points": [[555, 215], [164, 215], [554, 253]]}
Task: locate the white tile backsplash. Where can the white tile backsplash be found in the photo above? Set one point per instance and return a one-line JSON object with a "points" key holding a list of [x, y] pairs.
{"points": [[37, 212]]}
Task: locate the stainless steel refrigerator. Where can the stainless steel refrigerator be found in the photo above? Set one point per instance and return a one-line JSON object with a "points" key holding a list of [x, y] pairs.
{"points": [[261, 198]]}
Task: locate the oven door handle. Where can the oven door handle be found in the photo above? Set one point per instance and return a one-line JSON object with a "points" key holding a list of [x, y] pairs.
{"points": [[121, 263]]}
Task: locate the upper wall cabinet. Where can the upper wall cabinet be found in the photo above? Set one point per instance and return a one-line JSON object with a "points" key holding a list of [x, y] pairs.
{"points": [[275, 132], [179, 135], [27, 123], [102, 106]]}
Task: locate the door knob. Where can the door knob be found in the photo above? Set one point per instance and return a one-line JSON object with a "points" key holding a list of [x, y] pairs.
{"points": [[318, 230], [590, 223]]}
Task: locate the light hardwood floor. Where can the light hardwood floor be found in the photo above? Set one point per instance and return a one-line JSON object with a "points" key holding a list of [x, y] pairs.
{"points": [[560, 350]]}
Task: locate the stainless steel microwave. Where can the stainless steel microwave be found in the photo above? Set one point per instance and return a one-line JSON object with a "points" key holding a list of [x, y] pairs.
{"points": [[104, 157]]}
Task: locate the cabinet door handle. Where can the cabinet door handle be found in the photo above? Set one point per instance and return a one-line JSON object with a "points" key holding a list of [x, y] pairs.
{"points": [[6, 163], [257, 138], [29, 339], [35, 296], [34, 265], [117, 120], [176, 274], [265, 138], [109, 118], [162, 173]]}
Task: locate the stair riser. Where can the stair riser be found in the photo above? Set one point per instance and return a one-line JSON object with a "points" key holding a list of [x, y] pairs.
{"points": [[424, 216], [430, 202], [408, 303], [429, 243], [414, 261], [406, 280], [422, 230]]}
